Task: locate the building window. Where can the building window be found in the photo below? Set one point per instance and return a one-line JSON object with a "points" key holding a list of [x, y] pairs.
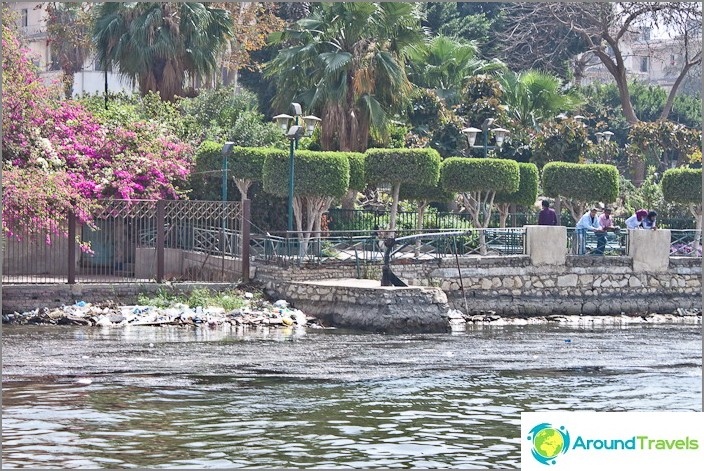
{"points": [[24, 17], [644, 64]]}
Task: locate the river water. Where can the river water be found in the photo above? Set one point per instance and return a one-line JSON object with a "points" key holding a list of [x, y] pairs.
{"points": [[181, 397]]}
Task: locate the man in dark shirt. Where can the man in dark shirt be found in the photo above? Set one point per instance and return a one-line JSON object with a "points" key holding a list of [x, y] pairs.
{"points": [[547, 216]]}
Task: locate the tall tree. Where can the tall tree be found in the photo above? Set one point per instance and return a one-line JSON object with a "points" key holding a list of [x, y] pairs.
{"points": [[533, 96], [443, 64], [159, 45], [547, 29], [252, 22], [346, 62], [68, 28]]}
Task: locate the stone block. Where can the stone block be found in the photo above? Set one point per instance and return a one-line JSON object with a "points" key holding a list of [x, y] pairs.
{"points": [[650, 250], [546, 245], [567, 280]]}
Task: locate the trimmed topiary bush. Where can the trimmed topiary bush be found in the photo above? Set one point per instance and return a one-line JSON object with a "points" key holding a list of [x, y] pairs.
{"points": [[319, 177], [480, 175], [358, 179], [315, 173], [246, 166], [580, 184], [684, 185], [397, 166], [477, 181], [526, 195]]}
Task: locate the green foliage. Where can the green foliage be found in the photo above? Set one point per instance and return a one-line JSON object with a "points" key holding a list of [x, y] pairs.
{"points": [[562, 140], [428, 193], [247, 163], [533, 96], [581, 182], [469, 175], [481, 99], [125, 110], [223, 115], [662, 143], [527, 192], [316, 173], [420, 166], [157, 45], [357, 172], [682, 185], [228, 300]]}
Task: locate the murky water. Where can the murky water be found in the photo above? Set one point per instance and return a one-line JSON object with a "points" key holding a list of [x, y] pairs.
{"points": [[175, 397]]}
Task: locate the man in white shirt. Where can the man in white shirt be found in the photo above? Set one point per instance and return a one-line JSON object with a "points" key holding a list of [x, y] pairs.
{"points": [[588, 222]]}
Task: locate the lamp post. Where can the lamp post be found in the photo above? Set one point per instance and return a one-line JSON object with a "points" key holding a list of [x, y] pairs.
{"points": [[499, 133], [302, 125]]}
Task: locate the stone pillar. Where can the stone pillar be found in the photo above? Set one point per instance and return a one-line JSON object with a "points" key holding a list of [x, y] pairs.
{"points": [[650, 249], [546, 245]]}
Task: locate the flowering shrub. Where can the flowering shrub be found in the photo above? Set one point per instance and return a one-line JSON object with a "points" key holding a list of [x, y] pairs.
{"points": [[57, 155]]}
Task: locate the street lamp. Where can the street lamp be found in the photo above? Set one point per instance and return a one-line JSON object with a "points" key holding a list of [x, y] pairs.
{"points": [[500, 135], [302, 125]]}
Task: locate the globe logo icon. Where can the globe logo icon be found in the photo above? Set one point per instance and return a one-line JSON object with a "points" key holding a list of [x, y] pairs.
{"points": [[548, 442]]}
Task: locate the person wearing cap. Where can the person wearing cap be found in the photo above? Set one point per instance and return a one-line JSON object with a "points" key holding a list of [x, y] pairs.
{"points": [[588, 222], [547, 216], [634, 222], [649, 221]]}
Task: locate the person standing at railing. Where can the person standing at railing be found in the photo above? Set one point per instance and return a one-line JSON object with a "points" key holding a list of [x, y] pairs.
{"points": [[607, 225], [635, 221], [588, 222], [547, 216]]}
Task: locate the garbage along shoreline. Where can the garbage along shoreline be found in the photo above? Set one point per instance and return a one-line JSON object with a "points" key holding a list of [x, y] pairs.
{"points": [[254, 312], [259, 312]]}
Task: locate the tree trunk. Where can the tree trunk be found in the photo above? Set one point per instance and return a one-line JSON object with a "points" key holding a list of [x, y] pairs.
{"points": [[671, 96], [394, 208], [419, 224]]}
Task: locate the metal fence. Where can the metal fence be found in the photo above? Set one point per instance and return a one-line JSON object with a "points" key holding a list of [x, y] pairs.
{"points": [[368, 246], [590, 243], [134, 240], [685, 243], [369, 220]]}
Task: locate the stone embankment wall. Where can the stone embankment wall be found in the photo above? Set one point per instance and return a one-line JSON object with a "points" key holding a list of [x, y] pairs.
{"points": [[546, 281], [363, 304], [512, 286]]}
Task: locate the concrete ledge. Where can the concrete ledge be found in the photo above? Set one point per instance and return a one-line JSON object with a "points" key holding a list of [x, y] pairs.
{"points": [[365, 305]]}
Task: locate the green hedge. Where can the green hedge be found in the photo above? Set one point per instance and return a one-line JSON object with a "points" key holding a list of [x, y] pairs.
{"points": [[316, 173], [247, 163], [206, 180], [682, 185], [582, 182], [527, 192], [419, 166], [357, 170], [462, 175], [430, 193]]}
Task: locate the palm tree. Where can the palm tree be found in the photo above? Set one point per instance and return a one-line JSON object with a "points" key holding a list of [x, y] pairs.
{"points": [[443, 64], [533, 96], [346, 62], [157, 45]]}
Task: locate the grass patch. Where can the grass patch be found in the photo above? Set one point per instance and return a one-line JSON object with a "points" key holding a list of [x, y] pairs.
{"points": [[228, 300]]}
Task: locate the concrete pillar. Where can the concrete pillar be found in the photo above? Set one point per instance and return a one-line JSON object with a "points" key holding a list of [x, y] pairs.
{"points": [[546, 245], [650, 249]]}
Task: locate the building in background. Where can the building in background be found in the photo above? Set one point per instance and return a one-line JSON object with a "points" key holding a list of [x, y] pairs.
{"points": [[31, 19]]}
